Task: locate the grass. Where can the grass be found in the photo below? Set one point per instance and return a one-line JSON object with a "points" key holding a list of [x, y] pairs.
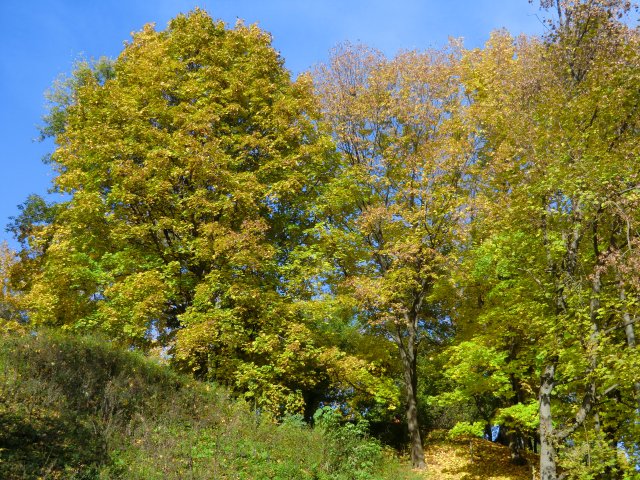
{"points": [[81, 408], [76, 407]]}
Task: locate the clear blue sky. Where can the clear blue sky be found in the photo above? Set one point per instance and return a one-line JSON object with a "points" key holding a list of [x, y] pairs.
{"points": [[40, 39]]}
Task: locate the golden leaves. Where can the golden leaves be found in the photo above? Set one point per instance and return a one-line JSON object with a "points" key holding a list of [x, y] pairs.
{"points": [[484, 461]]}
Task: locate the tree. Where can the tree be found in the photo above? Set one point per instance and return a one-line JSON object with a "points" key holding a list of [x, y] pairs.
{"points": [[559, 123], [189, 163], [394, 212]]}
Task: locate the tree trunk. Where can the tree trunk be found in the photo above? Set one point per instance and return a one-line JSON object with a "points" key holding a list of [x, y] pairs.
{"points": [[630, 333], [410, 371], [515, 448], [548, 468], [417, 451]]}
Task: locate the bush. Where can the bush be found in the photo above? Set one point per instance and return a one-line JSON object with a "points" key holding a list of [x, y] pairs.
{"points": [[348, 452]]}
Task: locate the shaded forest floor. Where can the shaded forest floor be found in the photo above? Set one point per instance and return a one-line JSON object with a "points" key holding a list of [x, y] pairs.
{"points": [[447, 460]]}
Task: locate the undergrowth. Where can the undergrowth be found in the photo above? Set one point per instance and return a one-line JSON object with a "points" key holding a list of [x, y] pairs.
{"points": [[81, 408]]}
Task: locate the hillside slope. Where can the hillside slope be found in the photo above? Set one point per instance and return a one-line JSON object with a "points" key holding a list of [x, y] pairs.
{"points": [[80, 408]]}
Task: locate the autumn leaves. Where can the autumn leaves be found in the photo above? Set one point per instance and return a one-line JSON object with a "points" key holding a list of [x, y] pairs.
{"points": [[315, 241]]}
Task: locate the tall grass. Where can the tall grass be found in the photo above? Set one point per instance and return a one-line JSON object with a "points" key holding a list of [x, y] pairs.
{"points": [[82, 408]]}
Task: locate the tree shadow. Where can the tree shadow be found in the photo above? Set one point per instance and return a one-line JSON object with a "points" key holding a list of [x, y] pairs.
{"points": [[42, 445]]}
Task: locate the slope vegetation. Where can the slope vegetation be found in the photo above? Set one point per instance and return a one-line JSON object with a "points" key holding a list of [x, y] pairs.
{"points": [[81, 408]]}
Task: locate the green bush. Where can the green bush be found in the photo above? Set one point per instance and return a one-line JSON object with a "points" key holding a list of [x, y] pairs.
{"points": [[348, 452]]}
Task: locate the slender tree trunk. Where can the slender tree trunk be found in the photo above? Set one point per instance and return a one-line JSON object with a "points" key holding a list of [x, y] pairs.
{"points": [[410, 373], [630, 333], [548, 467], [548, 436], [417, 451], [516, 444], [548, 463]]}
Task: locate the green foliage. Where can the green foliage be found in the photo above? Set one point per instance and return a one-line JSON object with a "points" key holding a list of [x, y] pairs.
{"points": [[189, 162], [555, 228], [35, 213], [466, 429], [520, 417], [348, 452], [592, 458], [476, 370], [81, 407]]}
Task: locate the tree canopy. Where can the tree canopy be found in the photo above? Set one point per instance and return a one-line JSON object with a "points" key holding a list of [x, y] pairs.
{"points": [[451, 232], [189, 163]]}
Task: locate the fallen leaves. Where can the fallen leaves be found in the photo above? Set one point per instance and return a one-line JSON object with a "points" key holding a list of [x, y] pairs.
{"points": [[448, 460]]}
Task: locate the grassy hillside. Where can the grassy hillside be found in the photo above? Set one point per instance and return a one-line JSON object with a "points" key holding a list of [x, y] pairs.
{"points": [[79, 408]]}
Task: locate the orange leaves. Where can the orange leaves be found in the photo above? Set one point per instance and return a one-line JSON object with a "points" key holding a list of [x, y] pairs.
{"points": [[397, 123]]}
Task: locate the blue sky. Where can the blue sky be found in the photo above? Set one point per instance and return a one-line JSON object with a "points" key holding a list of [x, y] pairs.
{"points": [[41, 39]]}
